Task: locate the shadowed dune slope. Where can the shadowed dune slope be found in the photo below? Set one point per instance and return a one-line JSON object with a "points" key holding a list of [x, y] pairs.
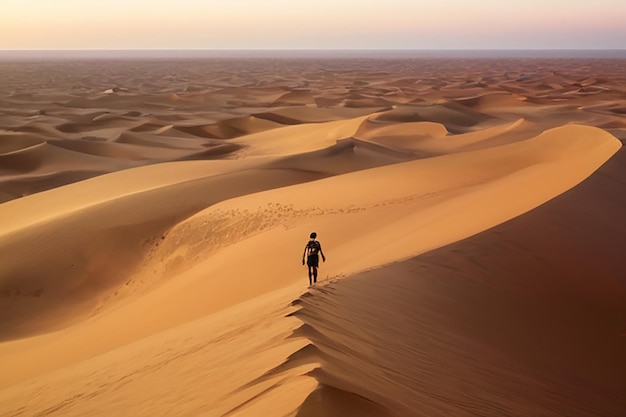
{"points": [[525, 319]]}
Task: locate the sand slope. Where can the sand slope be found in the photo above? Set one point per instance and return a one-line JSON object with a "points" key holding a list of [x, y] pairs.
{"points": [[525, 319], [176, 288], [428, 207]]}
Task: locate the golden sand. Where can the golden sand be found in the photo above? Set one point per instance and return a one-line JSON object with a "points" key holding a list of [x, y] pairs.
{"points": [[154, 216]]}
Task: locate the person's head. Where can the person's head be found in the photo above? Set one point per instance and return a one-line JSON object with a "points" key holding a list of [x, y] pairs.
{"points": [[313, 235]]}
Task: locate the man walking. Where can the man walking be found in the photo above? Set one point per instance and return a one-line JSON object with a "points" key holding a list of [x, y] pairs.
{"points": [[312, 250]]}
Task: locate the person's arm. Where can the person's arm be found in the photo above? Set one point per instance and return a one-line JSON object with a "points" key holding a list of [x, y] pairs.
{"points": [[322, 253], [303, 254]]}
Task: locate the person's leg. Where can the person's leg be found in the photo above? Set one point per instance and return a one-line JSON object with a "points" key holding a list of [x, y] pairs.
{"points": [[314, 274], [310, 274]]}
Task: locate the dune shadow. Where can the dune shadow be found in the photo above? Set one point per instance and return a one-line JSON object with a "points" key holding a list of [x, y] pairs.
{"points": [[327, 401]]}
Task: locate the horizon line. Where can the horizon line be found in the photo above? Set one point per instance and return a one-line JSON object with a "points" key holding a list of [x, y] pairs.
{"points": [[160, 54], [313, 49]]}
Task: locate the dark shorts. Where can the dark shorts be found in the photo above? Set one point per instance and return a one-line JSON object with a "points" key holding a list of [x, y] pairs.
{"points": [[313, 260]]}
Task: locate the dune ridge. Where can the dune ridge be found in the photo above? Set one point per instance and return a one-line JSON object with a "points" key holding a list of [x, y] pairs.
{"points": [[475, 358], [474, 213]]}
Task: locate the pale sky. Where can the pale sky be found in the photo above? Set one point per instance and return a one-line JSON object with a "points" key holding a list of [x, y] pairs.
{"points": [[312, 24]]}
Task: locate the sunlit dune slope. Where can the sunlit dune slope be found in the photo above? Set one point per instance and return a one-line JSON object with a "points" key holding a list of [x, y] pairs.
{"points": [[103, 228]]}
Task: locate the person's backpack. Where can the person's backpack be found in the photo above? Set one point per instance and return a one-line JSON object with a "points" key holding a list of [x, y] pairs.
{"points": [[313, 247]]}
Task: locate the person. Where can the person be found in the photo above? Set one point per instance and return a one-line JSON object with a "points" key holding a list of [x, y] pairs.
{"points": [[312, 250]]}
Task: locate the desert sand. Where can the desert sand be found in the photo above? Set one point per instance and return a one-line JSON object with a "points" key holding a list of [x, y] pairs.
{"points": [[153, 216]]}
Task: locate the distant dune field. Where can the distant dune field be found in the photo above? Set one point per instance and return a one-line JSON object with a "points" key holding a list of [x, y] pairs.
{"points": [[153, 216]]}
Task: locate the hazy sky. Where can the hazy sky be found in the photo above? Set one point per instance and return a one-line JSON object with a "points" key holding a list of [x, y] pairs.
{"points": [[312, 24]]}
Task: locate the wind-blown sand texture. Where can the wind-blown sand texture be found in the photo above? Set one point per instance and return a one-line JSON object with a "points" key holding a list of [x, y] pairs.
{"points": [[154, 214]]}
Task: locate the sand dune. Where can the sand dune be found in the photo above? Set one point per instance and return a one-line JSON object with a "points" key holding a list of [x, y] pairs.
{"points": [[507, 311], [14, 142], [232, 128], [207, 101], [473, 211], [296, 139], [429, 139], [137, 211]]}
